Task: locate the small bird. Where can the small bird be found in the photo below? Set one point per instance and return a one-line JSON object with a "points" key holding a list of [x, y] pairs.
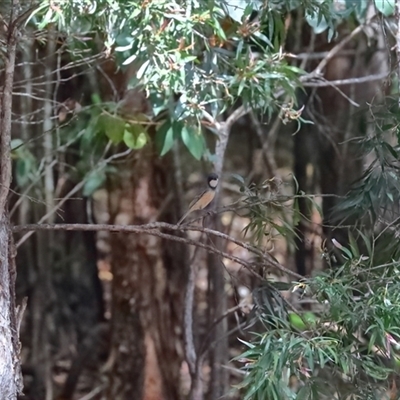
{"points": [[204, 198]]}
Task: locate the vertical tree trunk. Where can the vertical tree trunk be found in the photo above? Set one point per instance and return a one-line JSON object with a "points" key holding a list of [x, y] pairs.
{"points": [[10, 373], [147, 291], [43, 294], [219, 352], [10, 377]]}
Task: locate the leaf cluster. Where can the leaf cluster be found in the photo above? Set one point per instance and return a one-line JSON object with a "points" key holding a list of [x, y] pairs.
{"points": [[270, 212], [347, 346], [193, 57], [377, 192], [189, 57]]}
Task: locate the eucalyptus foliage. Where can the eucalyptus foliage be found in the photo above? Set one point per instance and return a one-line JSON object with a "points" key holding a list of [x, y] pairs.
{"points": [[194, 58]]}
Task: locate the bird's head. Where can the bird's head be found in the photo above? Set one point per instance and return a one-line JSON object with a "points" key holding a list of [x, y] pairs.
{"points": [[212, 181]]}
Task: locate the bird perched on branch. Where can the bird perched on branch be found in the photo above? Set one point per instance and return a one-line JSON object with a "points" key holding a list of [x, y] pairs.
{"points": [[204, 198]]}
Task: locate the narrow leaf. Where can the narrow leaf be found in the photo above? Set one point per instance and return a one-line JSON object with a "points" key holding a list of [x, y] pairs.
{"points": [[165, 138], [193, 141]]}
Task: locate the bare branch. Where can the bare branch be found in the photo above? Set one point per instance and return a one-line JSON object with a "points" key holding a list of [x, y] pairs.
{"points": [[342, 82], [333, 52], [235, 116], [76, 189], [154, 229]]}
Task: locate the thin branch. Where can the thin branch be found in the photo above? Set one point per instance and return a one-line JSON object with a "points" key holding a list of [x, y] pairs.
{"points": [[235, 116], [74, 190], [316, 55], [335, 50], [342, 82], [154, 229], [134, 229], [206, 341]]}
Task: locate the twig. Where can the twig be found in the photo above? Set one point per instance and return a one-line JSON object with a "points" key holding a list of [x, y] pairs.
{"points": [[342, 82], [335, 50], [315, 55], [20, 309], [69, 195], [146, 229], [397, 14], [154, 229], [227, 313], [267, 151], [93, 393], [76, 189]]}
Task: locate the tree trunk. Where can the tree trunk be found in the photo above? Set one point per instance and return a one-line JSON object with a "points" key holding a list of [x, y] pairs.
{"points": [[10, 373], [147, 291], [219, 352]]}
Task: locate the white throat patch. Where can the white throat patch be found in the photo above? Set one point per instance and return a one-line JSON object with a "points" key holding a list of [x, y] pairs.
{"points": [[213, 183]]}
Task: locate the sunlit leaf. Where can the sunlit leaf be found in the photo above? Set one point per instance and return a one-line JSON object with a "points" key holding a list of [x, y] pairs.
{"points": [[135, 137], [317, 21], [112, 126], [93, 182], [194, 141], [386, 7], [130, 60], [142, 69]]}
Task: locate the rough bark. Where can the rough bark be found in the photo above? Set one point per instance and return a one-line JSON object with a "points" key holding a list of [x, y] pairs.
{"points": [[10, 374], [10, 377], [147, 292], [219, 352]]}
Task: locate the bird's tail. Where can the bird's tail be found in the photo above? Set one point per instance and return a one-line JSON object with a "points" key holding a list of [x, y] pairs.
{"points": [[183, 218]]}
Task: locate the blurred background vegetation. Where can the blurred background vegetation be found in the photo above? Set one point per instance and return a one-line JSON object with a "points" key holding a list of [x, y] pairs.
{"points": [[288, 288]]}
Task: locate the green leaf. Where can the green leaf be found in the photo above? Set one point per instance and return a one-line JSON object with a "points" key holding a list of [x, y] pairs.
{"points": [[219, 30], [386, 7], [130, 59], [135, 137], [112, 126], [194, 142], [297, 322], [304, 393], [94, 181], [317, 22], [353, 245], [165, 138], [16, 144], [238, 178], [142, 69], [23, 167], [310, 318]]}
